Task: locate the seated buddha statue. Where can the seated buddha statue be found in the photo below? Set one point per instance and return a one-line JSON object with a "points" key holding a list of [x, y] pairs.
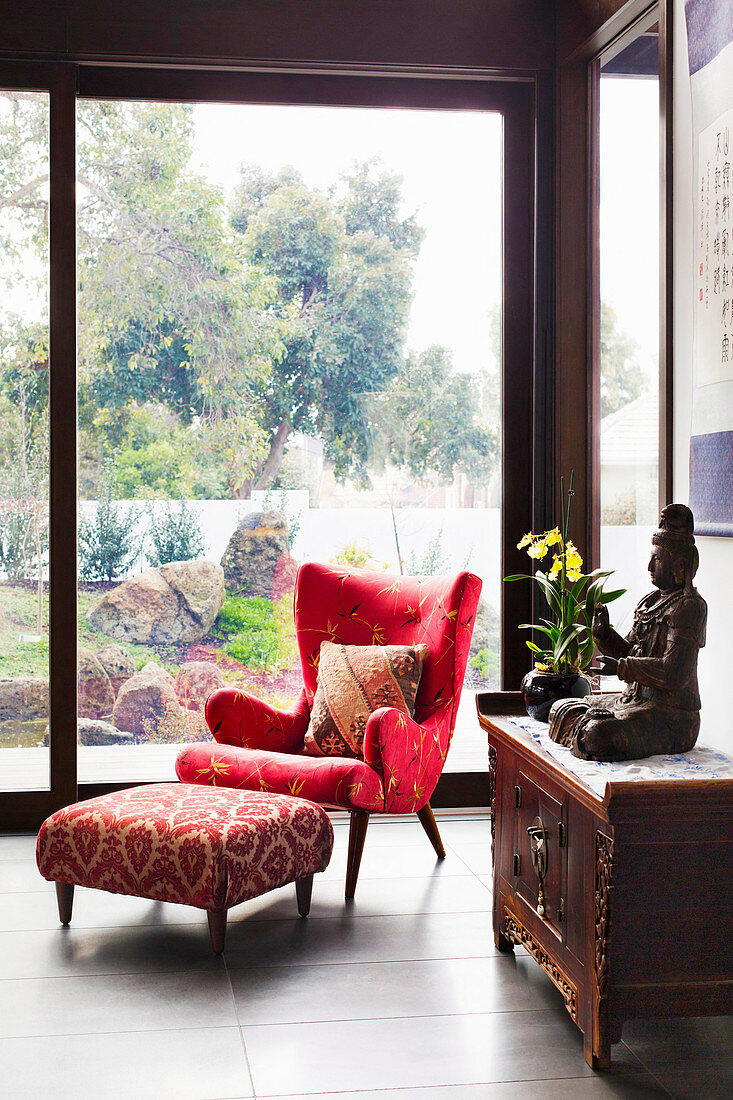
{"points": [[659, 711]]}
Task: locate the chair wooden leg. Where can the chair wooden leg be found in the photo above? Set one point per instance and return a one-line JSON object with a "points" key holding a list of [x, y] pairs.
{"points": [[425, 816], [217, 929], [357, 836], [65, 899], [303, 891]]}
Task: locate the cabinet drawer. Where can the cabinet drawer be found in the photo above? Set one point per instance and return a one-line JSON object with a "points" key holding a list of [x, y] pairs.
{"points": [[541, 823]]}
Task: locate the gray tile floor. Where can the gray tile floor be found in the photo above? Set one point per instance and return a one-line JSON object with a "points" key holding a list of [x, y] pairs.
{"points": [[399, 994]]}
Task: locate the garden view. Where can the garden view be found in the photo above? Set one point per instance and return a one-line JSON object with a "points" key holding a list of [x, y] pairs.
{"points": [[253, 391]]}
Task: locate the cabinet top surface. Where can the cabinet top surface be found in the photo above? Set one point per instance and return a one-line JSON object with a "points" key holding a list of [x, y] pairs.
{"points": [[703, 776]]}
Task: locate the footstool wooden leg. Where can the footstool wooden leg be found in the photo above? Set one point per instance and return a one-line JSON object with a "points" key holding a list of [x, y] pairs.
{"points": [[65, 898], [303, 891], [217, 928]]}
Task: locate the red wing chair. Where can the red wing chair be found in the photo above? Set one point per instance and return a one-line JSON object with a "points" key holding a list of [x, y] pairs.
{"points": [[260, 748]]}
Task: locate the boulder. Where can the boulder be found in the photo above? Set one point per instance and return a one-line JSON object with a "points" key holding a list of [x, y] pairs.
{"points": [[95, 732], [286, 574], [117, 663], [23, 699], [173, 605], [150, 693], [253, 553], [96, 697], [195, 682]]}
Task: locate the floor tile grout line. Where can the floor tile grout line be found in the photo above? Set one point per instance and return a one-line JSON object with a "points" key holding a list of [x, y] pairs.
{"points": [[277, 1023], [264, 920], [241, 1033], [204, 967], [123, 1031], [407, 1016], [648, 1069], [407, 1089]]}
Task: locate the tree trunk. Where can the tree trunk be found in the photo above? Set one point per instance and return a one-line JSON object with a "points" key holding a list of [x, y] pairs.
{"points": [[274, 460]]}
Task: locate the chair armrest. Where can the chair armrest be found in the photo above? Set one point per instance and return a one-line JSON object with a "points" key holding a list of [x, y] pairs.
{"points": [[408, 756], [236, 718]]}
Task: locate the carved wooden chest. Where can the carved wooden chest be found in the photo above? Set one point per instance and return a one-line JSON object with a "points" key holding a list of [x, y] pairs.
{"points": [[626, 900]]}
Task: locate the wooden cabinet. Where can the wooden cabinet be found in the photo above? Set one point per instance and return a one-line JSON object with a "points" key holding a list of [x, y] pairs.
{"points": [[632, 912]]}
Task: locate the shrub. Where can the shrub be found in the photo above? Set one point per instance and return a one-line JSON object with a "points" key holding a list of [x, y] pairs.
{"points": [[175, 534], [255, 632], [358, 557], [107, 543], [622, 513], [175, 727], [486, 663], [278, 502], [432, 561]]}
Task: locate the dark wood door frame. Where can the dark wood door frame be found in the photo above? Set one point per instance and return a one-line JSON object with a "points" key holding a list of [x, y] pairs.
{"points": [[525, 104], [577, 377], [20, 808]]}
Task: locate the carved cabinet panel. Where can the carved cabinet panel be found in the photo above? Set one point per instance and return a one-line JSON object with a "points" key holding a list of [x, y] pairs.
{"points": [[612, 896]]}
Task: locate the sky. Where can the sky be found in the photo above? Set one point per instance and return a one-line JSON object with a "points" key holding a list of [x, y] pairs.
{"points": [[629, 216]]}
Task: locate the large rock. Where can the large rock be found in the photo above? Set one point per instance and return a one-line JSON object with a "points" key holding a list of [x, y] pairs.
{"points": [[150, 693], [173, 605], [195, 682], [252, 555], [117, 663], [23, 699], [96, 697], [96, 732]]}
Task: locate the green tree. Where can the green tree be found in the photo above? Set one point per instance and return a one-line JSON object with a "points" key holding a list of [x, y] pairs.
{"points": [[622, 379], [429, 420], [343, 264]]}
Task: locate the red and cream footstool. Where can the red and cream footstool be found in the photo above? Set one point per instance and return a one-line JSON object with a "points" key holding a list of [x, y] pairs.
{"points": [[211, 847]]}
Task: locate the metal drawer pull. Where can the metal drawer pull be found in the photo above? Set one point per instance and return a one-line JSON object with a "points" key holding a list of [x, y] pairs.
{"points": [[538, 851], [538, 847]]}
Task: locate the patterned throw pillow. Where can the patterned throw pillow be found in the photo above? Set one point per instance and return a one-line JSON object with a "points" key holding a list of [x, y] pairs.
{"points": [[353, 681]]}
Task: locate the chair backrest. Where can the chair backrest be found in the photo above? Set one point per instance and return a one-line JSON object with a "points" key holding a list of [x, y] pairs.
{"points": [[358, 607]]}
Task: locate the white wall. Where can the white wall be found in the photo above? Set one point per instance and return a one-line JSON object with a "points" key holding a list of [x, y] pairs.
{"points": [[714, 579]]}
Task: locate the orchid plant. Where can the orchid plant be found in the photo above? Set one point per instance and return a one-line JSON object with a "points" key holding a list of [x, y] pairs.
{"points": [[571, 595]]}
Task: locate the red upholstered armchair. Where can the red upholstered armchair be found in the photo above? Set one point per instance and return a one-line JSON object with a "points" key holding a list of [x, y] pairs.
{"points": [[260, 748]]}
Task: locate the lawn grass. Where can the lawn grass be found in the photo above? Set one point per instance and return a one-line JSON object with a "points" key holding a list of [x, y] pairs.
{"points": [[21, 658]]}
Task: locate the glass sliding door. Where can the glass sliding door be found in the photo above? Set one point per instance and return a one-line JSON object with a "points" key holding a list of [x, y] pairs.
{"points": [[289, 350], [24, 441], [629, 310]]}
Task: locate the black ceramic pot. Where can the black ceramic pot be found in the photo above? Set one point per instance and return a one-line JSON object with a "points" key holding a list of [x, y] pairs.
{"points": [[541, 689]]}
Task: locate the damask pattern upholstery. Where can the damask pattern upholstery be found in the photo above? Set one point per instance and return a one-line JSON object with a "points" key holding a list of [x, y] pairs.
{"points": [[204, 846], [403, 757]]}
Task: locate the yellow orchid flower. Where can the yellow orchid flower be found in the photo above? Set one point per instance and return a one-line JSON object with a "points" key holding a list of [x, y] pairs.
{"points": [[525, 541], [553, 537], [574, 574], [538, 550], [573, 559], [555, 569]]}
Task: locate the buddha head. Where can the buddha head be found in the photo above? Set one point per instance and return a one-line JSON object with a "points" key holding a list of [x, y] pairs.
{"points": [[674, 558]]}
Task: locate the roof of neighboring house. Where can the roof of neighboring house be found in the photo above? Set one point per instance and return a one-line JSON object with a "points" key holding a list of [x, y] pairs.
{"points": [[630, 436]]}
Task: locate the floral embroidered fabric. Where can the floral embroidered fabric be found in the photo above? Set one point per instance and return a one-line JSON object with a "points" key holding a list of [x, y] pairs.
{"points": [[353, 682], [205, 846], [340, 782], [403, 756]]}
